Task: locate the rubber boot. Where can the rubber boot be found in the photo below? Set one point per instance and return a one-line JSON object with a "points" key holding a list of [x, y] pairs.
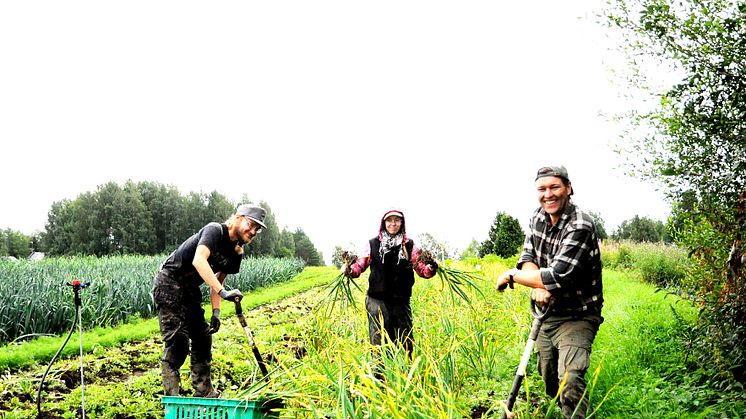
{"points": [[171, 379], [202, 383]]}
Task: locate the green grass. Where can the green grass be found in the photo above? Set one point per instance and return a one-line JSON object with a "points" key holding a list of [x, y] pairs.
{"points": [[464, 362], [15, 356]]}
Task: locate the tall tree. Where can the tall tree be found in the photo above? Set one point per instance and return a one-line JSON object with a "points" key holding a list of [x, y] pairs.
{"points": [[163, 204], [305, 249], [693, 144]]}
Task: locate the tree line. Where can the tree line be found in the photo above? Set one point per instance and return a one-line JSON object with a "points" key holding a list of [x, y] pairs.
{"points": [[146, 218], [505, 237]]}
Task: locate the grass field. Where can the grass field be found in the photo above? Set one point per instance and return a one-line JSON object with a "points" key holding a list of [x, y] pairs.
{"points": [[464, 362]]}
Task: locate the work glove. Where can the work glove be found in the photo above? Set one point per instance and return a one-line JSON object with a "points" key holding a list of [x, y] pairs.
{"points": [[231, 295], [214, 321]]}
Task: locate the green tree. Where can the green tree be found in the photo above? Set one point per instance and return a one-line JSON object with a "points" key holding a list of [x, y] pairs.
{"points": [[693, 144], [305, 250], [505, 237], [638, 229], [163, 205], [14, 243], [471, 250], [287, 244], [600, 226]]}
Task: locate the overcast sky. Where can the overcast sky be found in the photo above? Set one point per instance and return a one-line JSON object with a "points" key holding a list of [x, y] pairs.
{"points": [[330, 111]]}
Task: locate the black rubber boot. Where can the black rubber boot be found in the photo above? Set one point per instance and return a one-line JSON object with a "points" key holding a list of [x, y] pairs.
{"points": [[171, 379], [202, 383]]}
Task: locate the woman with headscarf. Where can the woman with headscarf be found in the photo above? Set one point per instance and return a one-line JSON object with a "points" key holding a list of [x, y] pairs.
{"points": [[393, 259]]}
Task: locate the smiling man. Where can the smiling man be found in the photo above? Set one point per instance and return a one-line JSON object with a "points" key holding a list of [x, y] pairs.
{"points": [[206, 257], [561, 262]]}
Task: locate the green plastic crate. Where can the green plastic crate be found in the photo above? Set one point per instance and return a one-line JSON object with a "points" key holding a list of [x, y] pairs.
{"points": [[197, 407]]}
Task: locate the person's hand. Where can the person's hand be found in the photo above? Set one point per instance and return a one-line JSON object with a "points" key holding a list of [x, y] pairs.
{"points": [[348, 258], [214, 321], [231, 295], [346, 269], [433, 265], [504, 280], [541, 296]]}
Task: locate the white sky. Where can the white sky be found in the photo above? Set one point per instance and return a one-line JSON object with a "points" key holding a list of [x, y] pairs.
{"points": [[330, 111]]}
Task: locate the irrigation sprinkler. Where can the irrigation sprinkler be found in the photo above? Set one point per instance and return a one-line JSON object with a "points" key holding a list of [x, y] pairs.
{"points": [[77, 287]]}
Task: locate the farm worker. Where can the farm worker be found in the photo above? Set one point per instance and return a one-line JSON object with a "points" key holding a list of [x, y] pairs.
{"points": [[561, 261], [206, 257], [392, 258]]}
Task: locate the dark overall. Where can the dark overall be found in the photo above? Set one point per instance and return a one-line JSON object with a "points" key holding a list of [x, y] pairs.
{"points": [[178, 299], [389, 290]]}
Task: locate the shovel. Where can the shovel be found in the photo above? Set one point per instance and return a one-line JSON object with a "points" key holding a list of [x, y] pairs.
{"points": [[250, 336], [539, 315]]}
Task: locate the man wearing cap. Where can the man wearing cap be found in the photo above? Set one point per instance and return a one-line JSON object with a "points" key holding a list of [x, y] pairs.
{"points": [[561, 262], [393, 259], [206, 257]]}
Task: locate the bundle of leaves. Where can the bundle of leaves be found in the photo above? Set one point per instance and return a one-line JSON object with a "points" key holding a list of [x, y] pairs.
{"points": [[457, 281]]}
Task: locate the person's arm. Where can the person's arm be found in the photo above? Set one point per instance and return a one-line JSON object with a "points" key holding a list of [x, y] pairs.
{"points": [[215, 298], [204, 270], [529, 275], [424, 269], [524, 276], [361, 263]]}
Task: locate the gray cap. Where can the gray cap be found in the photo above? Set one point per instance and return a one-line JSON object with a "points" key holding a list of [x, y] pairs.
{"points": [[252, 212]]}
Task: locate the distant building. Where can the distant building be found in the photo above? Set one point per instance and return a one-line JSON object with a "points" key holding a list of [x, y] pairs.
{"points": [[10, 258], [36, 256]]}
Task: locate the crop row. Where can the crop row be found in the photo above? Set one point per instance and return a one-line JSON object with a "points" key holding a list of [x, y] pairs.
{"points": [[38, 299]]}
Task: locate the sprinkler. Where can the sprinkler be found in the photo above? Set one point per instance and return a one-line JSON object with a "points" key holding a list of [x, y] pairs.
{"points": [[77, 286]]}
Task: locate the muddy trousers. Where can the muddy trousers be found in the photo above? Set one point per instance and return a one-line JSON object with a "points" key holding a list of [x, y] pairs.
{"points": [[389, 321], [564, 348], [184, 331]]}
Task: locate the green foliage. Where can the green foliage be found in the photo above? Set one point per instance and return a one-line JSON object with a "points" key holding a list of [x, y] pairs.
{"points": [[505, 237], [16, 244], [600, 226], [662, 265], [693, 144], [149, 218], [722, 295], [305, 250], [463, 365], [471, 250], [642, 229]]}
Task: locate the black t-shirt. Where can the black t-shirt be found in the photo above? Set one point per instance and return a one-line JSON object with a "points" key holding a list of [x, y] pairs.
{"points": [[223, 257]]}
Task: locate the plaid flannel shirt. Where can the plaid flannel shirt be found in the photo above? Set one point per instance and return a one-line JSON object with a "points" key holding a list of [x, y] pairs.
{"points": [[569, 259]]}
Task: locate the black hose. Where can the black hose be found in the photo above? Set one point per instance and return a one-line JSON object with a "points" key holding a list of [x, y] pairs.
{"points": [[43, 377]]}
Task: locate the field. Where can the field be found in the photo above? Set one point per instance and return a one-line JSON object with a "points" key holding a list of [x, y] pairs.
{"points": [[463, 366]]}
